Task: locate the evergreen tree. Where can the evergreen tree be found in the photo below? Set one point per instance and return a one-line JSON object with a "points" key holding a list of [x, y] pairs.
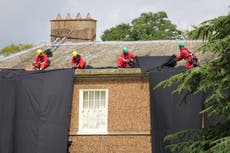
{"points": [[213, 78]]}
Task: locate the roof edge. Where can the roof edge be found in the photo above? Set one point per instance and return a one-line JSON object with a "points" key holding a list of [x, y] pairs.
{"points": [[109, 71], [110, 74]]}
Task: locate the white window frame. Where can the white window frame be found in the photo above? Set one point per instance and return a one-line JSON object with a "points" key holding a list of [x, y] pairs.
{"points": [[92, 131]]}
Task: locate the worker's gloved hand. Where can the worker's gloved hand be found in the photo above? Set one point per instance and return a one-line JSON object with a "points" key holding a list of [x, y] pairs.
{"points": [[41, 69], [35, 65]]}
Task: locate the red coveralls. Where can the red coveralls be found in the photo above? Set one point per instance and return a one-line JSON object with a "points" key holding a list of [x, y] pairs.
{"points": [[78, 62], [187, 55], [41, 62], [124, 60]]}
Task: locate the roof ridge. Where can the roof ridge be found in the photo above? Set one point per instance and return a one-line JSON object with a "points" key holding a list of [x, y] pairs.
{"points": [[126, 42]]}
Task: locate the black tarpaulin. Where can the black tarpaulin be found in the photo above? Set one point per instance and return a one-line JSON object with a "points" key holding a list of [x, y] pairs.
{"points": [[148, 63], [167, 116], [37, 106], [7, 109]]}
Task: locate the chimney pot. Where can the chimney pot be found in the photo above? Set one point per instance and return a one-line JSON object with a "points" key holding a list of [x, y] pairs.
{"points": [[68, 16], [59, 17], [88, 16], [78, 16]]}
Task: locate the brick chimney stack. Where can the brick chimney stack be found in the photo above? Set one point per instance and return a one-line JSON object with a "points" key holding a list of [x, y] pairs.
{"points": [[79, 29]]}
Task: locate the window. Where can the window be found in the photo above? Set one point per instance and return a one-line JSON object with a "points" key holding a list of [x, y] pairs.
{"points": [[93, 111]]}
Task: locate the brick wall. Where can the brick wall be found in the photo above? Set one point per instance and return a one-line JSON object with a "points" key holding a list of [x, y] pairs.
{"points": [[128, 117], [111, 144], [82, 29]]}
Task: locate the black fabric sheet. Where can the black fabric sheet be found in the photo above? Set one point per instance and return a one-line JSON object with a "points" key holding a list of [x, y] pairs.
{"points": [[34, 111], [210, 121], [167, 116], [149, 63], [7, 109]]}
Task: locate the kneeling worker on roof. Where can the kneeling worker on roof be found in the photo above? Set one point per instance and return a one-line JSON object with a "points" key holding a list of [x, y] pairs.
{"points": [[41, 61], [191, 59], [127, 59], [77, 61]]}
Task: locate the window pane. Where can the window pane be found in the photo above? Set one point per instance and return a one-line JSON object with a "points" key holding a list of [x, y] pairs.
{"points": [[94, 116], [85, 100], [97, 93], [91, 100]]}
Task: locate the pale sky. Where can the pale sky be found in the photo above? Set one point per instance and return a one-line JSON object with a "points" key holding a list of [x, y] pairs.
{"points": [[28, 21]]}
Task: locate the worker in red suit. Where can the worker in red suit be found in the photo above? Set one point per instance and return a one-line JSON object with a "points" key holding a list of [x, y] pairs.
{"points": [[41, 61], [191, 59], [126, 60], [77, 61]]}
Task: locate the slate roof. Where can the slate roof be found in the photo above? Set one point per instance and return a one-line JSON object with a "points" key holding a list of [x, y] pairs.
{"points": [[100, 54]]}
